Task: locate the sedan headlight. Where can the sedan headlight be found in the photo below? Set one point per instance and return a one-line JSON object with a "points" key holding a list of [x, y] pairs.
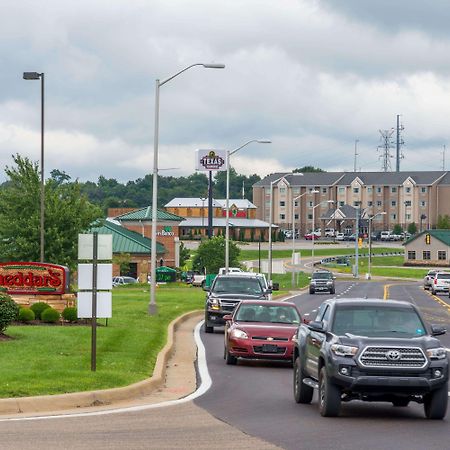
{"points": [[344, 350], [437, 353], [239, 334]]}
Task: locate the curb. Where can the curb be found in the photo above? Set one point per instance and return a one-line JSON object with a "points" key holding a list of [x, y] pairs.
{"points": [[100, 397]]}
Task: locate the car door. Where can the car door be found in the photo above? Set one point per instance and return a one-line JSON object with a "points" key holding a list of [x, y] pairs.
{"points": [[315, 340]]}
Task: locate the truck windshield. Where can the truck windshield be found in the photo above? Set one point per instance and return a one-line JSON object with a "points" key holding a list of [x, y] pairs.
{"points": [[235, 285], [321, 276], [376, 321]]}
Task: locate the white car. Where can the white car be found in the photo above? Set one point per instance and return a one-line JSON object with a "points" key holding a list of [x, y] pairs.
{"points": [[120, 281], [428, 279], [340, 236], [441, 282]]}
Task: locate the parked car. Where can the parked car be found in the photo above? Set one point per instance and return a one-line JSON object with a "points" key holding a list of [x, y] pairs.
{"points": [[309, 236], [120, 281], [330, 232], [321, 281], [428, 279], [371, 350], [222, 270], [340, 236], [385, 236], [227, 291], [261, 330], [441, 282]]}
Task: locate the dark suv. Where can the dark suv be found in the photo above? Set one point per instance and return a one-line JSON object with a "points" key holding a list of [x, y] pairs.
{"points": [[322, 281], [371, 350], [227, 291]]}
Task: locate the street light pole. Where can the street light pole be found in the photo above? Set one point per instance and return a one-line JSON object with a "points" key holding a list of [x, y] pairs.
{"points": [[37, 76], [369, 276], [313, 225], [152, 308], [227, 205]]}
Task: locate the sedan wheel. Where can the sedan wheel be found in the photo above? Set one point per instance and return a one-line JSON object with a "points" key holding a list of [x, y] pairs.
{"points": [[229, 358]]}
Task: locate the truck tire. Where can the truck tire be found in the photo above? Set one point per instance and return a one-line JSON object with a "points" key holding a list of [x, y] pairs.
{"points": [[332, 291], [311, 291], [208, 329], [329, 396], [302, 392], [435, 403]]}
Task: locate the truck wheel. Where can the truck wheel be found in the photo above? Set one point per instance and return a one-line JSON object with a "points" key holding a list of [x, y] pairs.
{"points": [[229, 358], [208, 329], [435, 403], [311, 291], [203, 284], [332, 291], [329, 396], [302, 392]]}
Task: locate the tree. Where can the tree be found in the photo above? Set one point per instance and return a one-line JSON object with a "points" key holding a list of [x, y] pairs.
{"points": [[211, 255], [305, 169], [397, 229], [185, 254], [412, 228], [443, 222], [67, 213], [123, 261]]}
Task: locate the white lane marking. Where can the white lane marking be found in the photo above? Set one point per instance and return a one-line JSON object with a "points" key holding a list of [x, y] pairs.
{"points": [[205, 384]]}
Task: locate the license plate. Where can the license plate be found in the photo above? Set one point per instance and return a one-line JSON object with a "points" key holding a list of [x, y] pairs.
{"points": [[269, 348]]}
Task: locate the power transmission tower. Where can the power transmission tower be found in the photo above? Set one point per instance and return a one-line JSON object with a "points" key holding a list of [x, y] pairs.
{"points": [[400, 142], [385, 148]]}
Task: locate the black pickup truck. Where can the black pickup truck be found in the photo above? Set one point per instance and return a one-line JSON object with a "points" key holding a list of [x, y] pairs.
{"points": [[372, 350]]}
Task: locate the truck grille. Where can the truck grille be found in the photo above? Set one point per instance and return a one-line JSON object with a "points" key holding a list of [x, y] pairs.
{"points": [[408, 357]]}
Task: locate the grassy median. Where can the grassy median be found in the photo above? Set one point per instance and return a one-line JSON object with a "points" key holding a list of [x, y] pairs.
{"points": [[56, 359]]}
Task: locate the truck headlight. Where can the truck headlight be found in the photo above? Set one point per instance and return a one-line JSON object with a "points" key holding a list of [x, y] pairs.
{"points": [[437, 353], [239, 334], [344, 350]]}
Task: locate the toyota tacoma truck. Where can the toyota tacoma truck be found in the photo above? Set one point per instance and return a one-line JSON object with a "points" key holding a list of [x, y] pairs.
{"points": [[371, 350]]}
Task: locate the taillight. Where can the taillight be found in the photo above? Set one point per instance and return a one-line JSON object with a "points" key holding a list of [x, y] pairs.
{"points": [[435, 281]]}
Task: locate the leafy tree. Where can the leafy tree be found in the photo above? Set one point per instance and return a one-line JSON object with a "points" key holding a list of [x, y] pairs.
{"points": [[9, 310], [211, 255], [397, 229], [305, 169], [185, 254], [412, 228], [123, 261], [67, 213], [443, 222]]}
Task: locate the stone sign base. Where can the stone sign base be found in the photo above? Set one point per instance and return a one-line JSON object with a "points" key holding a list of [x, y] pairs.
{"points": [[58, 302]]}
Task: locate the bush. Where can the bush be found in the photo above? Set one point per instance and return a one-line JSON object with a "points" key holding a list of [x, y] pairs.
{"points": [[26, 315], [39, 308], [9, 311], [70, 314], [50, 315]]}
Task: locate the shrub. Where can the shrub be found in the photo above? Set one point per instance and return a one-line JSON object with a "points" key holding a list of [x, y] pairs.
{"points": [[26, 315], [9, 311], [70, 314], [50, 315], [39, 308]]}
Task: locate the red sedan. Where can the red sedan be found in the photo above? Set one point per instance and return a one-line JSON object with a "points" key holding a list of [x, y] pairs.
{"points": [[261, 329]]}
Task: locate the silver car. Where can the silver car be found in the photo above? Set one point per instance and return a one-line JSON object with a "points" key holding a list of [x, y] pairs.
{"points": [[428, 278], [441, 282]]}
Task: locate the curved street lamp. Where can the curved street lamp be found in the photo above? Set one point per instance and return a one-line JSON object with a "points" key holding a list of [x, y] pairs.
{"points": [[152, 309], [227, 206]]}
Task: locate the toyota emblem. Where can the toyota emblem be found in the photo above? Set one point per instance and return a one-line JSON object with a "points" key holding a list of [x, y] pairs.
{"points": [[393, 355]]}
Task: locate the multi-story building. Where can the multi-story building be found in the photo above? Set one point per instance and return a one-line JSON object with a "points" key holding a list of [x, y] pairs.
{"points": [[404, 197]]}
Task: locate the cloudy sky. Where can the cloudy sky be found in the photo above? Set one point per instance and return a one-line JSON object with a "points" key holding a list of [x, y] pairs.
{"points": [[310, 75]]}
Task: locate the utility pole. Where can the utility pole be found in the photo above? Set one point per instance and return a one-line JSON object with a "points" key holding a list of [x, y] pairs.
{"points": [[400, 142], [443, 158], [356, 154]]}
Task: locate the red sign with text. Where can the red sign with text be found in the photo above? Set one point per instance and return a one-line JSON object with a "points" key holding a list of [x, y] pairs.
{"points": [[33, 278]]}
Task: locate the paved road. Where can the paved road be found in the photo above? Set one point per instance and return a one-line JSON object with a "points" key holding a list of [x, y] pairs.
{"points": [[256, 397]]}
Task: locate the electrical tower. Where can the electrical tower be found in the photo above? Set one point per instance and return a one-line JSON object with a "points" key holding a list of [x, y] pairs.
{"points": [[386, 145]]}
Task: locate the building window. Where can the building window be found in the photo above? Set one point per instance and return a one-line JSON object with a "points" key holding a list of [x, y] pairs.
{"points": [[296, 190], [282, 190], [356, 203], [369, 190], [426, 254], [393, 216], [341, 203], [423, 190], [408, 203], [311, 189], [296, 216], [282, 203], [408, 216], [379, 203], [309, 216], [341, 189], [408, 190], [423, 204], [442, 255], [296, 203], [282, 216], [324, 190], [411, 254], [393, 203], [310, 204], [355, 190], [378, 190], [394, 189], [369, 203]]}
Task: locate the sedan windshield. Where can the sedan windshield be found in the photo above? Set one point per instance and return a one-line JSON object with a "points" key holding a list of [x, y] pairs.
{"points": [[270, 313], [376, 321]]}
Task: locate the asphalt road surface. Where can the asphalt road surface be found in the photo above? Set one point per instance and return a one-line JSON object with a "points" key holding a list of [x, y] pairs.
{"points": [[256, 397]]}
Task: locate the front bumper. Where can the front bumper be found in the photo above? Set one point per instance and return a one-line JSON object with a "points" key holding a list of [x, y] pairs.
{"points": [[260, 349]]}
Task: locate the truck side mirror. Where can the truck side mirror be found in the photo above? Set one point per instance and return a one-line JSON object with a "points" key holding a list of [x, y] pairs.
{"points": [[437, 330], [275, 286], [316, 326]]}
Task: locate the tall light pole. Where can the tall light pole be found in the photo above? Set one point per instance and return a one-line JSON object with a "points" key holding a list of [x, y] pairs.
{"points": [[293, 227], [227, 206], [152, 309], [381, 213], [37, 76], [313, 231]]}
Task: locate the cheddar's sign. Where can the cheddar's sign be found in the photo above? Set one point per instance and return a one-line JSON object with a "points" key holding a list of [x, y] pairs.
{"points": [[33, 278]]}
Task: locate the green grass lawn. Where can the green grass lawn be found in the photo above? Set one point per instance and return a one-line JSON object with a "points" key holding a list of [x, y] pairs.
{"points": [[56, 359]]}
